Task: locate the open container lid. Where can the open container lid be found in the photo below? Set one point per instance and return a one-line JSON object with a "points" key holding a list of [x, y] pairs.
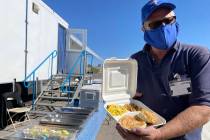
{"points": [[119, 79]]}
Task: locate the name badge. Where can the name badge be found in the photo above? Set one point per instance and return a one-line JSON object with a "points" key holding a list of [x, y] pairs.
{"points": [[179, 88]]}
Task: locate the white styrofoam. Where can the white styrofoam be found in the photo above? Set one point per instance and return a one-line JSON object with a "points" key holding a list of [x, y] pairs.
{"points": [[119, 79], [119, 85]]}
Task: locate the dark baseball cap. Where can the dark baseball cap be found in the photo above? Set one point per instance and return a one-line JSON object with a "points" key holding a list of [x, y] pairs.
{"points": [[152, 5]]}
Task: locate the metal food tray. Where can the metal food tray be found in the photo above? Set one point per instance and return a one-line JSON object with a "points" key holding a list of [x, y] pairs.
{"points": [[74, 116], [75, 110], [62, 121], [19, 135], [71, 127], [161, 121]]}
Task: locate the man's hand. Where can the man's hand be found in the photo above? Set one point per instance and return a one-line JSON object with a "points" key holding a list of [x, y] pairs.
{"points": [[149, 133]]}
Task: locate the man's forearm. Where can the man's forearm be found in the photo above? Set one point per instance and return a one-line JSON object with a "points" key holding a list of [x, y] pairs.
{"points": [[191, 118]]}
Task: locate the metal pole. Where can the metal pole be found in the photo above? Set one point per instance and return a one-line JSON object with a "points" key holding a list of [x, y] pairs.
{"points": [[33, 90], [13, 85], [26, 38], [85, 45], [37, 86], [69, 90], [80, 71], [91, 63], [91, 69], [51, 78], [51, 73], [41, 85]]}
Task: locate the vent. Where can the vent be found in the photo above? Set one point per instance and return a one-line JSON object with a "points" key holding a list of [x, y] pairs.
{"points": [[35, 8]]}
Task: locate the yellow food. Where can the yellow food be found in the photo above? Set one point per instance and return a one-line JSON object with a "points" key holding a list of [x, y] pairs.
{"points": [[148, 116], [116, 110], [130, 122], [144, 114], [46, 132]]}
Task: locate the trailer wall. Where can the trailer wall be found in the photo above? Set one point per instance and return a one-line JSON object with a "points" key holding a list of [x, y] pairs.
{"points": [[42, 38]]}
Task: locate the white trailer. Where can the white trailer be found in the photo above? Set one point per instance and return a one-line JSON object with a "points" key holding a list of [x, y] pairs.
{"points": [[30, 31], [28, 34]]}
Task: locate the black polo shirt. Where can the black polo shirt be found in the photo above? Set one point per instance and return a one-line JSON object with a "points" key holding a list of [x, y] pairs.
{"points": [[154, 78]]}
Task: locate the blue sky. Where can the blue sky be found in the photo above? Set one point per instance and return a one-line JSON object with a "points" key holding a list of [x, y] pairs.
{"points": [[114, 25]]}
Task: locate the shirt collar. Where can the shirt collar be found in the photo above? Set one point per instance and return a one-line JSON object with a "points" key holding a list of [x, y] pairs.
{"points": [[176, 46], [147, 47]]}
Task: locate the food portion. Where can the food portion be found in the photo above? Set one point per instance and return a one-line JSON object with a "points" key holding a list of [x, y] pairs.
{"points": [[140, 119], [132, 107], [130, 122], [41, 132], [116, 110], [147, 116]]}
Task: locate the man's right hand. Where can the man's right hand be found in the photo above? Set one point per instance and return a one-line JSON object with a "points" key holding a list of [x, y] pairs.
{"points": [[137, 96]]}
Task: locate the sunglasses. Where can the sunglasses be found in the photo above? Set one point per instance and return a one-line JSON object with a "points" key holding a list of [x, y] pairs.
{"points": [[149, 25]]}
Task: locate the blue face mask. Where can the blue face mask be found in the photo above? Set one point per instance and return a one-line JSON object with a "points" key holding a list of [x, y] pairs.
{"points": [[163, 37]]}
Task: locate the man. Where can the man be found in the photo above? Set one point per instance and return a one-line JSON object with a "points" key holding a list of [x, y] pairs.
{"points": [[162, 58]]}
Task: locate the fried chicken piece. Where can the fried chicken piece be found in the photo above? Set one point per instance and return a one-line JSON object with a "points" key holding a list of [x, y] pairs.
{"points": [[147, 116], [130, 122]]}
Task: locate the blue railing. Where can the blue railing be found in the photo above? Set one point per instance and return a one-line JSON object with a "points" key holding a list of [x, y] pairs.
{"points": [[66, 88], [81, 64], [91, 61], [32, 75]]}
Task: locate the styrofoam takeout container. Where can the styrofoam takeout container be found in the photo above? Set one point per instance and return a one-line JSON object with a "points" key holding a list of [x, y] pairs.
{"points": [[119, 85]]}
